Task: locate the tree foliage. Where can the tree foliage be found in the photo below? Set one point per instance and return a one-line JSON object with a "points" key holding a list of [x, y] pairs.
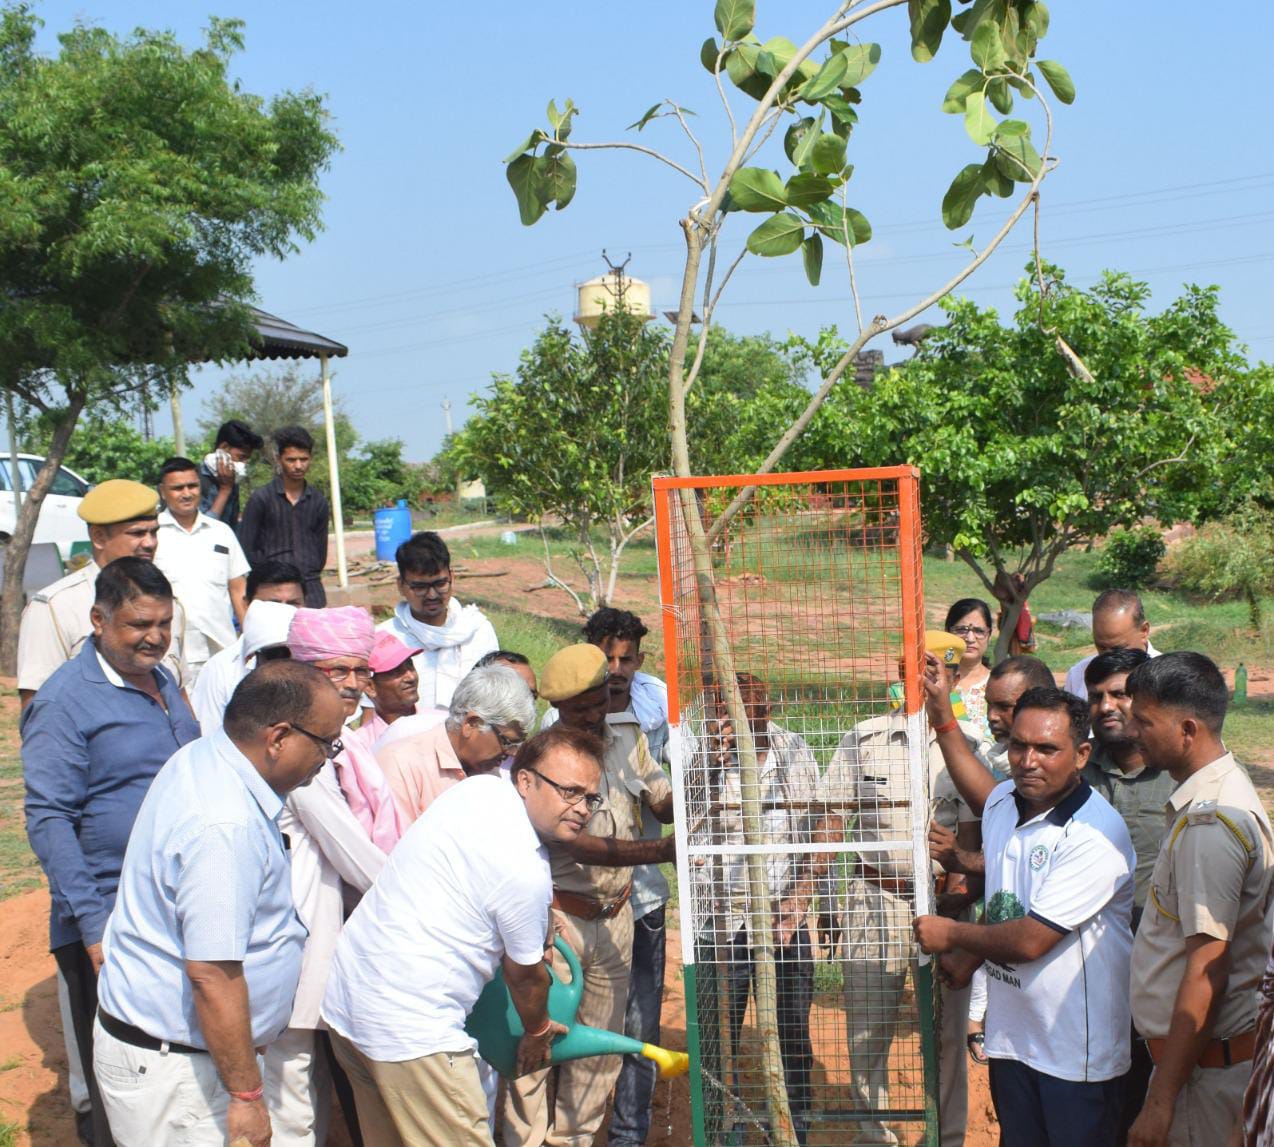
{"points": [[138, 182], [577, 433], [1022, 456]]}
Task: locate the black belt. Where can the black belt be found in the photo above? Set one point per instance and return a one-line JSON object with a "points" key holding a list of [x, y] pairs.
{"points": [[126, 1033]]}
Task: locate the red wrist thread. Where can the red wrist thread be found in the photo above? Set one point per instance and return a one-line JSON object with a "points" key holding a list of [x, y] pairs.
{"points": [[536, 1034], [247, 1096], [946, 727]]}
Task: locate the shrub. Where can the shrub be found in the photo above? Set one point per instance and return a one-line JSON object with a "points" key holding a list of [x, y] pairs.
{"points": [[1130, 558], [1229, 558]]}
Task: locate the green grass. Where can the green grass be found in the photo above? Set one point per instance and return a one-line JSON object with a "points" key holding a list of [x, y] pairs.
{"points": [[9, 1133], [12, 1062], [638, 560]]}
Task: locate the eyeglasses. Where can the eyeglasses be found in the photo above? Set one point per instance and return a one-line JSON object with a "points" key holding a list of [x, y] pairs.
{"points": [[970, 631], [338, 673], [508, 744], [435, 588], [332, 747], [573, 794]]}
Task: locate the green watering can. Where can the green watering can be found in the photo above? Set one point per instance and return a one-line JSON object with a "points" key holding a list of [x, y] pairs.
{"points": [[495, 1024]]}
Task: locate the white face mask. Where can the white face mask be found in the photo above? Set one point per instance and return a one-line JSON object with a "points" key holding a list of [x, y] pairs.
{"points": [[240, 468]]}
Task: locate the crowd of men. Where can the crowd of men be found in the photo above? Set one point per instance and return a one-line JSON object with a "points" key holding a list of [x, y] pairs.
{"points": [[287, 848]]}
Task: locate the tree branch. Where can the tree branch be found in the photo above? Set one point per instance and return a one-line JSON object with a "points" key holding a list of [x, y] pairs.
{"points": [[624, 146]]}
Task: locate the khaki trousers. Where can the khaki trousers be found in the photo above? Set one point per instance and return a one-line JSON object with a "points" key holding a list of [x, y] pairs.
{"points": [[1208, 1105], [953, 1065], [433, 1101], [605, 950]]}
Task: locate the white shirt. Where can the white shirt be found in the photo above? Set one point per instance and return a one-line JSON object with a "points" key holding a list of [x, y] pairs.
{"points": [[468, 884], [328, 846], [1075, 674], [419, 722], [201, 562], [448, 651], [1066, 1014]]}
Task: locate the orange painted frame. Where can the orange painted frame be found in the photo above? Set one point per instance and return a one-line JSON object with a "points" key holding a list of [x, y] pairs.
{"points": [[911, 568]]}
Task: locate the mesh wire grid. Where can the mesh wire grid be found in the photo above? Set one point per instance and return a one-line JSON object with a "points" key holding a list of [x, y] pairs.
{"points": [[817, 583]]}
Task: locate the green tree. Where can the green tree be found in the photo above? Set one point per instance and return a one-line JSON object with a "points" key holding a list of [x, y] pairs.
{"points": [[1024, 454], [575, 435], [377, 475], [806, 98], [138, 181]]}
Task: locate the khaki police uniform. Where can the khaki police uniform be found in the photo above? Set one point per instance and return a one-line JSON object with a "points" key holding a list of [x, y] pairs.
{"points": [[1213, 877], [870, 769], [55, 623], [604, 944]]}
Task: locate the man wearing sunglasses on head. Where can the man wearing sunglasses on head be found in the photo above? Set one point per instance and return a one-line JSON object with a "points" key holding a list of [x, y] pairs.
{"points": [[592, 884]]}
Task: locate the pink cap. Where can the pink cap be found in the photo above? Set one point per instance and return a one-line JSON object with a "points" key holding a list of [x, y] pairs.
{"points": [[389, 653]]}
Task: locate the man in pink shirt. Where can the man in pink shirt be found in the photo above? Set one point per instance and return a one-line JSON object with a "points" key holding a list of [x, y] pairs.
{"points": [[490, 715]]}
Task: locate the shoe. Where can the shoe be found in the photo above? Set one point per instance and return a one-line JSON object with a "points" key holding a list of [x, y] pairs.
{"points": [[977, 1048]]}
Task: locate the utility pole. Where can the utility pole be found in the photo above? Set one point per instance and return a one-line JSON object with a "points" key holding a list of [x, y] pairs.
{"points": [[446, 413]]}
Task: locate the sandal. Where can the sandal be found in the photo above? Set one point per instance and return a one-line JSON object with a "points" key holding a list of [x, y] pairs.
{"points": [[977, 1044]]}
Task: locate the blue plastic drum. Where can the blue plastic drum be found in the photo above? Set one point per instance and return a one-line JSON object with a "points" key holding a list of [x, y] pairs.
{"points": [[393, 527]]}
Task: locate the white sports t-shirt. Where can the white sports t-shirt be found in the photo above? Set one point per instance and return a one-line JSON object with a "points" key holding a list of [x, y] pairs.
{"points": [[1067, 1013], [468, 883]]}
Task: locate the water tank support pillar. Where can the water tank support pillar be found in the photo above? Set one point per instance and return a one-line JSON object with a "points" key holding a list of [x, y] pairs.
{"points": [[334, 469]]}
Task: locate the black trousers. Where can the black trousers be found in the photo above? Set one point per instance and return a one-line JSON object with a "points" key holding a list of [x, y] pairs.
{"points": [[794, 970], [81, 986]]}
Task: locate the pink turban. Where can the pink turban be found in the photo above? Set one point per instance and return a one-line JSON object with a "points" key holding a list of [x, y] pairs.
{"points": [[344, 631]]}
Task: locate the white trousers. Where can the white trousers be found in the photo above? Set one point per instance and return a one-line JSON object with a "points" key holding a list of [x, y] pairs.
{"points": [[154, 1097], [74, 1068], [298, 1089]]}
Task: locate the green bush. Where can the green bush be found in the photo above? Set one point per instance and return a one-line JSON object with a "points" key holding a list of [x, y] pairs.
{"points": [[1130, 558], [1229, 558]]}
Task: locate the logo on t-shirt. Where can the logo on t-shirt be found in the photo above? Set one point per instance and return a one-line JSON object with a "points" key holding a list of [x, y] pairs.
{"points": [[1004, 905], [1039, 854]]}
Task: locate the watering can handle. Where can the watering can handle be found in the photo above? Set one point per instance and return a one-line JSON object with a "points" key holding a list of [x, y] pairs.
{"points": [[576, 987]]}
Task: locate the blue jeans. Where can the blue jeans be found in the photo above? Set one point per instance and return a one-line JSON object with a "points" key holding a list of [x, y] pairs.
{"points": [[1038, 1110], [630, 1117]]}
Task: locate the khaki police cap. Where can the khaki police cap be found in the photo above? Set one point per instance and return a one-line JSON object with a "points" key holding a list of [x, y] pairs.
{"points": [[946, 647], [118, 500], [572, 671]]}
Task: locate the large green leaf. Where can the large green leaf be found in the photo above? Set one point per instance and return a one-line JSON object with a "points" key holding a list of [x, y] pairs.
{"points": [[734, 18], [755, 189], [978, 120], [557, 175], [804, 190], [828, 78], [523, 175], [1000, 95], [994, 180], [1017, 158], [929, 19], [708, 54], [1059, 79], [828, 154], [835, 221], [801, 135], [779, 235], [740, 65], [961, 196], [958, 92], [988, 48], [842, 113], [862, 60], [812, 256]]}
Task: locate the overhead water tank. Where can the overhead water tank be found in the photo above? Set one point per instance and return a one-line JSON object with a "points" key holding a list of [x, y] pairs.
{"points": [[605, 293]]}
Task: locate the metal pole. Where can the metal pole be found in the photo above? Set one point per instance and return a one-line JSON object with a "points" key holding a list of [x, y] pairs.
{"points": [[15, 472], [334, 469], [179, 435]]}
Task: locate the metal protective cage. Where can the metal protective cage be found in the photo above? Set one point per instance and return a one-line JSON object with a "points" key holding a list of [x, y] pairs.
{"points": [[818, 582]]}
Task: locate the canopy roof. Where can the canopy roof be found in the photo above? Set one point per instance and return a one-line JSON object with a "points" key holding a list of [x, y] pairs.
{"points": [[278, 338]]}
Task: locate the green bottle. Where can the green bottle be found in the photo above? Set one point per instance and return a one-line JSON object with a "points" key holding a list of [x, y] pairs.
{"points": [[1240, 684]]}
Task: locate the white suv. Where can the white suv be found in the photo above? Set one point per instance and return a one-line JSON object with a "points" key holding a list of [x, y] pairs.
{"points": [[58, 520]]}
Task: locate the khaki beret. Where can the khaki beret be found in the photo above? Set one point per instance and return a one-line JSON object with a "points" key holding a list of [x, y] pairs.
{"points": [[572, 671], [118, 500]]}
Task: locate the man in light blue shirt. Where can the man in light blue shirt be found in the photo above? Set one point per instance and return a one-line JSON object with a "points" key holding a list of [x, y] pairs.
{"points": [[203, 950], [93, 739]]}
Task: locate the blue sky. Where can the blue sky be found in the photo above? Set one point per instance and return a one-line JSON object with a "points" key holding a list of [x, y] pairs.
{"points": [[1167, 171]]}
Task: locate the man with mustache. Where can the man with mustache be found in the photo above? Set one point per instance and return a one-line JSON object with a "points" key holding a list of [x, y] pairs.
{"points": [[592, 884], [93, 739], [123, 522]]}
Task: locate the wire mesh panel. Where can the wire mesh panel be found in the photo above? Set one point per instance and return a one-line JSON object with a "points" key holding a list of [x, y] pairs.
{"points": [[812, 594]]}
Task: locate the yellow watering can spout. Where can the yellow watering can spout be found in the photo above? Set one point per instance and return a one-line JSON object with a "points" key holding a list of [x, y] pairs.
{"points": [[670, 1063]]}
